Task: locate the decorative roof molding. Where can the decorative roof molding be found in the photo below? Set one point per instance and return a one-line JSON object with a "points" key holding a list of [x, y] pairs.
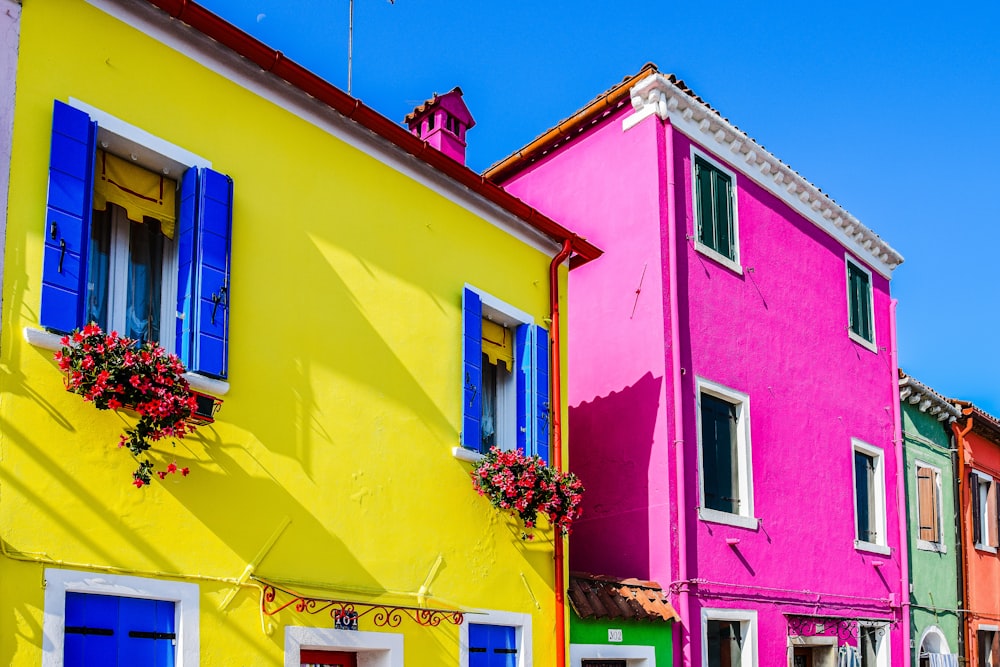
{"points": [[669, 100], [926, 399]]}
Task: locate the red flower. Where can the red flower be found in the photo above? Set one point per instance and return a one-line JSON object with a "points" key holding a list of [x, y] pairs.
{"points": [[185, 471], [138, 483], [172, 468]]}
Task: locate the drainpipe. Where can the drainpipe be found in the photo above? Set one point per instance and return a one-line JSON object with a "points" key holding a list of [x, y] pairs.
{"points": [[959, 546], [904, 549], [676, 389], [555, 413], [960, 434]]}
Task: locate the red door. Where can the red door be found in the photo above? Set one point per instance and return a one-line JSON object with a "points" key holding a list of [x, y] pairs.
{"points": [[334, 658]]}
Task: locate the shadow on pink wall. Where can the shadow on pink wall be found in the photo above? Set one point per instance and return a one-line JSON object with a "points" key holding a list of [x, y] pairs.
{"points": [[611, 440]]}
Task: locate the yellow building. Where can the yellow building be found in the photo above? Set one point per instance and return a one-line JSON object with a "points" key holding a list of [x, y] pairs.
{"points": [[315, 266]]}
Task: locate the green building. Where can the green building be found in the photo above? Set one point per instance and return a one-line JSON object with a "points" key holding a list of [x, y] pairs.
{"points": [[935, 551], [619, 622]]}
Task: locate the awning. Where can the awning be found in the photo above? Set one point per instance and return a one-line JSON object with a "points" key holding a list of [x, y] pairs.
{"points": [[142, 193], [498, 344], [626, 599]]}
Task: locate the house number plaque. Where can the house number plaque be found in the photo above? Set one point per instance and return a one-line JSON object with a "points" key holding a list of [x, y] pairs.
{"points": [[614, 635]]}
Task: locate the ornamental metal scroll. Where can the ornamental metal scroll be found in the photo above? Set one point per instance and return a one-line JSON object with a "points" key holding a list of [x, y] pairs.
{"points": [[347, 613], [830, 626]]}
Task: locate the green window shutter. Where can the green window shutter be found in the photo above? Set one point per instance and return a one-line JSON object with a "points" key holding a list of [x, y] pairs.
{"points": [[705, 214], [859, 287], [723, 213], [720, 469]]}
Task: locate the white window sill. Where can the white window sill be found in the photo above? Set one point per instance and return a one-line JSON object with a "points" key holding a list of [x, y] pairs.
{"points": [[467, 455], [863, 342], [731, 264], [872, 548], [50, 341], [738, 520], [986, 548], [937, 547]]}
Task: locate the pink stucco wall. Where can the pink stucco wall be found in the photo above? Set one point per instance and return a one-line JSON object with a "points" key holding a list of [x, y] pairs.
{"points": [[777, 333]]}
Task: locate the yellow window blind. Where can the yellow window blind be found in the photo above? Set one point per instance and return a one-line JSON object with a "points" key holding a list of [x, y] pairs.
{"points": [[498, 344], [139, 191]]}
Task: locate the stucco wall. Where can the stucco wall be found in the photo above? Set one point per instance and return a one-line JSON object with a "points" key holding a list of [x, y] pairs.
{"points": [[776, 332], [345, 375], [934, 594]]}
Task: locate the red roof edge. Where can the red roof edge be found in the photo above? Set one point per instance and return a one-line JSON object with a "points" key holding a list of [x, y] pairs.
{"points": [[271, 60]]}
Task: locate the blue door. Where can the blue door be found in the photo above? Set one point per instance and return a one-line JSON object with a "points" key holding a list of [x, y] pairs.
{"points": [[109, 631], [492, 646]]}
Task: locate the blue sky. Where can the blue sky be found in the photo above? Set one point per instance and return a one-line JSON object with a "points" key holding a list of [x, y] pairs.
{"points": [[890, 108]]}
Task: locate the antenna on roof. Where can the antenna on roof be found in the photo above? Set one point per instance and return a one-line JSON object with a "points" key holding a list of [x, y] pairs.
{"points": [[350, 42]]}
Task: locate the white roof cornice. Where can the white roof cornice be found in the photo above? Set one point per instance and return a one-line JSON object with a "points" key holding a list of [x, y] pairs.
{"points": [[657, 95], [927, 400]]}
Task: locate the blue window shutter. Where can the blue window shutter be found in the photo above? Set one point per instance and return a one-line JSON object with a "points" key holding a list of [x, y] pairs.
{"points": [[472, 369], [185, 264], [525, 397], [91, 634], [67, 218], [144, 629], [492, 645], [204, 244], [541, 387]]}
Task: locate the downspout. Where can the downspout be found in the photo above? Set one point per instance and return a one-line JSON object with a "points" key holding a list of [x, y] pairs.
{"points": [[963, 526], [904, 550], [555, 413], [676, 389], [959, 545]]}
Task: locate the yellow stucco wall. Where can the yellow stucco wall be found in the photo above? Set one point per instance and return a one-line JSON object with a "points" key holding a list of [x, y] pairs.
{"points": [[344, 369]]}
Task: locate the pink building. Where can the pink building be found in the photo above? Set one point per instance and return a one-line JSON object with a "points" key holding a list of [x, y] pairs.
{"points": [[732, 383]]}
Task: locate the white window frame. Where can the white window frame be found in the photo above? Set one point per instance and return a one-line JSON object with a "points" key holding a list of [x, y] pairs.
{"points": [[522, 630], [150, 152], [731, 264], [746, 517], [748, 620], [849, 261], [932, 631], [883, 647], [988, 514], [926, 545], [373, 649], [881, 546], [635, 656], [58, 582], [501, 312]]}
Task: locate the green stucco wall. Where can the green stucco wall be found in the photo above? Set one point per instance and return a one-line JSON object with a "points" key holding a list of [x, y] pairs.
{"points": [[657, 634], [933, 574]]}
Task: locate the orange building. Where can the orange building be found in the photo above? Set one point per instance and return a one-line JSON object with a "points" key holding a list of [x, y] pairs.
{"points": [[978, 438]]}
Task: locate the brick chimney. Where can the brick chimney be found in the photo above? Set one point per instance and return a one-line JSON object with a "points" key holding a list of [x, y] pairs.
{"points": [[442, 122]]}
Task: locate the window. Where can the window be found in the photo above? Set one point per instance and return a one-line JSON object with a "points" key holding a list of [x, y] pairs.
{"points": [[715, 210], [929, 508], [327, 646], [96, 619], [130, 248], [505, 378], [492, 645], [728, 638], [988, 646], [872, 644], [861, 315], [869, 498], [328, 658], [724, 455], [103, 629], [984, 511]]}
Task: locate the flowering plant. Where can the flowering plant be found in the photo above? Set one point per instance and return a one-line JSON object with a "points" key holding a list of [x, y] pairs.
{"points": [[527, 487], [113, 372]]}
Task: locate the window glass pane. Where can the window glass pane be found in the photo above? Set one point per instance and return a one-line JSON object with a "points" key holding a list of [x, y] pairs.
{"points": [[145, 280], [99, 268], [488, 423], [720, 466], [864, 467], [725, 643]]}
